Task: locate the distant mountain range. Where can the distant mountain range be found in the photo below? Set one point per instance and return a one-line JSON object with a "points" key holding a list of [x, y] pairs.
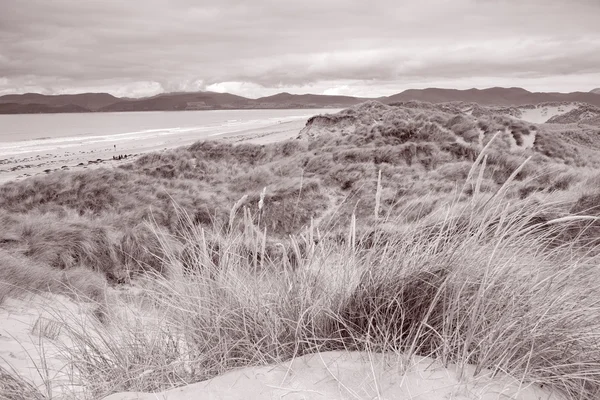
{"points": [[84, 102], [33, 103]]}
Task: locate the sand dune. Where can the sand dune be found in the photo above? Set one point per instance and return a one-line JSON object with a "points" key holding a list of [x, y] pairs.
{"points": [[28, 340], [354, 375]]}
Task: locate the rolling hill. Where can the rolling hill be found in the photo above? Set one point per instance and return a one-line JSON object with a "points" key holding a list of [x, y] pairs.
{"points": [[493, 96], [104, 102], [287, 100], [180, 102], [87, 101], [15, 108]]}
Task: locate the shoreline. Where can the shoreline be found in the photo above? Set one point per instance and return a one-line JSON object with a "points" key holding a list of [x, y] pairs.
{"points": [[95, 154]]}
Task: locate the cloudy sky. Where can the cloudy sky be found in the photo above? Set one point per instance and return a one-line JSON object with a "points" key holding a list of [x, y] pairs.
{"points": [[261, 47]]}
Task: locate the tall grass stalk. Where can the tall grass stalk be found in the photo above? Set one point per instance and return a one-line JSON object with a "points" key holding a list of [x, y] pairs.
{"points": [[378, 195]]}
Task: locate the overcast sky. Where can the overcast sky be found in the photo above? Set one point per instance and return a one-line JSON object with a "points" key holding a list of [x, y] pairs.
{"points": [[261, 47]]}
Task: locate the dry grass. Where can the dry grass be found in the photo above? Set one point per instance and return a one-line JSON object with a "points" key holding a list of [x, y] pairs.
{"points": [[398, 238], [479, 283], [21, 277], [96, 218], [14, 387]]}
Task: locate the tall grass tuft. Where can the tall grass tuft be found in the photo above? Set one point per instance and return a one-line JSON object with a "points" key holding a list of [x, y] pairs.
{"points": [[20, 277], [15, 387]]}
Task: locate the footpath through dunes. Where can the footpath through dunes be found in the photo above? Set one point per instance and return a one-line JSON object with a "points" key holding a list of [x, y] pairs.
{"points": [[464, 235]]}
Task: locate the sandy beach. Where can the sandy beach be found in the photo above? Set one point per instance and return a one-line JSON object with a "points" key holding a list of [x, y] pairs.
{"points": [[99, 153]]}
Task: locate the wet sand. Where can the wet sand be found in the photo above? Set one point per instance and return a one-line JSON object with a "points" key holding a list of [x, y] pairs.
{"points": [[94, 155]]}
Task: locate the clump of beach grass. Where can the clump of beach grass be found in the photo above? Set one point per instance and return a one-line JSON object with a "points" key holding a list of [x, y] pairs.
{"points": [[15, 387]]}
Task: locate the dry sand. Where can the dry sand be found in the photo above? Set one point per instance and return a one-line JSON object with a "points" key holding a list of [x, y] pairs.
{"points": [[352, 375], [98, 154], [29, 329]]}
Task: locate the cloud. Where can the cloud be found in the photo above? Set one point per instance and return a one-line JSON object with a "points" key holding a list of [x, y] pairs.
{"points": [[246, 89], [139, 47], [343, 90]]}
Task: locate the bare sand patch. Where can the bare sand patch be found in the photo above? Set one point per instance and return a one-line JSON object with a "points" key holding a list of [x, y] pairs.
{"points": [[29, 337]]}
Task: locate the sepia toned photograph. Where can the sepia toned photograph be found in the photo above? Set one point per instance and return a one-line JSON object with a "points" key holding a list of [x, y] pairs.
{"points": [[299, 200]]}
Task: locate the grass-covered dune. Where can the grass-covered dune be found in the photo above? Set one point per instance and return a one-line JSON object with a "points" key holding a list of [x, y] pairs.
{"points": [[424, 153], [416, 228]]}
